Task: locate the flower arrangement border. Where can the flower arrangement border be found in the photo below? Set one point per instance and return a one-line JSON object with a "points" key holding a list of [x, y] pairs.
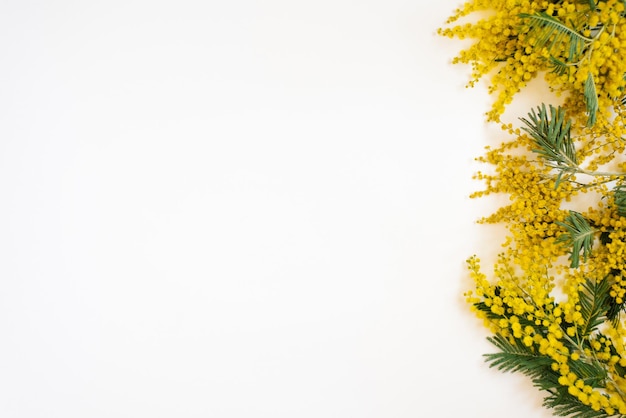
{"points": [[554, 299]]}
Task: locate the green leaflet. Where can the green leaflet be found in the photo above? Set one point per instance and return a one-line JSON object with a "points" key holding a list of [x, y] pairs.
{"points": [[591, 100], [579, 235]]}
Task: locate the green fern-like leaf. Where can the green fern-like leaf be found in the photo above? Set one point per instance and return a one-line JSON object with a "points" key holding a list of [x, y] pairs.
{"points": [[548, 381], [516, 357], [594, 300], [579, 236], [619, 197], [591, 100], [565, 405], [592, 373], [557, 66], [481, 306], [552, 33], [551, 134], [614, 311]]}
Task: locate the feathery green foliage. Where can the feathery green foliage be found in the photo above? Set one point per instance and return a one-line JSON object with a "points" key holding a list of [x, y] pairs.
{"points": [[591, 99], [552, 33], [593, 299], [565, 405], [557, 66], [579, 235], [591, 371], [516, 357], [619, 197], [551, 133]]}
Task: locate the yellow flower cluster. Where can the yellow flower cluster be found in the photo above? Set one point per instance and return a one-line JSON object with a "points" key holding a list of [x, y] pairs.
{"points": [[512, 50], [558, 286]]}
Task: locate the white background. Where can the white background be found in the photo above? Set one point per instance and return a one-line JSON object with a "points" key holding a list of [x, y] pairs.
{"points": [[240, 209]]}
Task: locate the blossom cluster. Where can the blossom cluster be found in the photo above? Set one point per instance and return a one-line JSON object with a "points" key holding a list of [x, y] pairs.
{"points": [[512, 50]]}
